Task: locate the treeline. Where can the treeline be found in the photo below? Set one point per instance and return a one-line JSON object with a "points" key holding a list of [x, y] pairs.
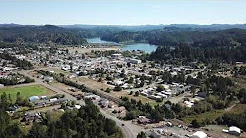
{"points": [[62, 79], [41, 34], [226, 54], [87, 122], [163, 37], [22, 63], [13, 80]]}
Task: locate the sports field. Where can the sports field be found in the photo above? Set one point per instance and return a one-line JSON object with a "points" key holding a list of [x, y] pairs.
{"points": [[26, 91]]}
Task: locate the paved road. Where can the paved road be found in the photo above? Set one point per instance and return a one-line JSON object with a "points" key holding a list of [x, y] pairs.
{"points": [[130, 130]]}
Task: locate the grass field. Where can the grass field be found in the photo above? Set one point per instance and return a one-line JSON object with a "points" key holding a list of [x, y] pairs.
{"points": [[239, 108], [212, 115], [26, 91]]}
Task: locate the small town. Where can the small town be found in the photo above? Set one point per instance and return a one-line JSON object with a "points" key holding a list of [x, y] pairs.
{"points": [[108, 78], [122, 69]]}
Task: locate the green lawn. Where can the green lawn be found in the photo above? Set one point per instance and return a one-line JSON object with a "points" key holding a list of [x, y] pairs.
{"points": [[212, 115], [238, 109], [26, 91]]}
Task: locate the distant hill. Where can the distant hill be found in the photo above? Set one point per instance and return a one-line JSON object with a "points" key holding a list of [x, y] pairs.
{"points": [[13, 33], [212, 27]]}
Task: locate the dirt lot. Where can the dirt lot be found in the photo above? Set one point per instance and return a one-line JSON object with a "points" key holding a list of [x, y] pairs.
{"points": [[140, 97], [93, 83], [65, 88]]}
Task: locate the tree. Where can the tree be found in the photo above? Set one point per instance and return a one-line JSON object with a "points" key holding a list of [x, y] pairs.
{"points": [[193, 90], [130, 81], [242, 95], [156, 115], [100, 79], [4, 101], [131, 115], [141, 135], [37, 131], [117, 88], [128, 64], [19, 100], [160, 88], [136, 93], [131, 92], [107, 90], [195, 123]]}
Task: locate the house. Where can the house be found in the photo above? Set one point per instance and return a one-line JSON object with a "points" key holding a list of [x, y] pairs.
{"points": [[166, 93], [14, 108], [1, 86], [116, 55], [48, 78], [201, 94], [165, 86], [32, 117], [161, 95], [104, 102], [44, 98], [135, 61], [118, 82], [143, 120], [65, 67], [125, 86], [59, 101], [188, 104], [119, 109], [111, 105], [33, 98], [77, 106], [234, 130], [199, 134], [53, 99], [155, 97], [144, 93]]}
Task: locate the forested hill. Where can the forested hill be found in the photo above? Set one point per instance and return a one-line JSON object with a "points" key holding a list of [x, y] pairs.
{"points": [[40, 34], [134, 28], [176, 36]]}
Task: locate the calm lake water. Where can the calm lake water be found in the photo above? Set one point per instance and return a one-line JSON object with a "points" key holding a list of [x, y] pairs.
{"points": [[137, 46]]}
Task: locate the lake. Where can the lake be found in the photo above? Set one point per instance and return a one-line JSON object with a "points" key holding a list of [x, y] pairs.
{"points": [[137, 46]]}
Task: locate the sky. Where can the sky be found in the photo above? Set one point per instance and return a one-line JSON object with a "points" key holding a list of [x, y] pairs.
{"points": [[122, 12]]}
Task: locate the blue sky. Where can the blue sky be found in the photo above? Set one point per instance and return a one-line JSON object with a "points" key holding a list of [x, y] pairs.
{"points": [[123, 12]]}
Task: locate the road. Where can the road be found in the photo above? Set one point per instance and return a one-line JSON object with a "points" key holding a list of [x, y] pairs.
{"points": [[127, 129], [130, 130]]}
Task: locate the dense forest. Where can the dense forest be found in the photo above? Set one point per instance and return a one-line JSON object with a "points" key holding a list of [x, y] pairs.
{"points": [[41, 34], [227, 54], [221, 46], [176, 36], [87, 122]]}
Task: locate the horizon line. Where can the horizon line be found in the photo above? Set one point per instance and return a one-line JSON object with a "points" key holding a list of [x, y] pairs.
{"points": [[126, 24]]}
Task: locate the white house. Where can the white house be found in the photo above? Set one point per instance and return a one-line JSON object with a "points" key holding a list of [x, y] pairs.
{"points": [[188, 104], [33, 98], [135, 61], [144, 93], [199, 134], [234, 130], [162, 95], [48, 78]]}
